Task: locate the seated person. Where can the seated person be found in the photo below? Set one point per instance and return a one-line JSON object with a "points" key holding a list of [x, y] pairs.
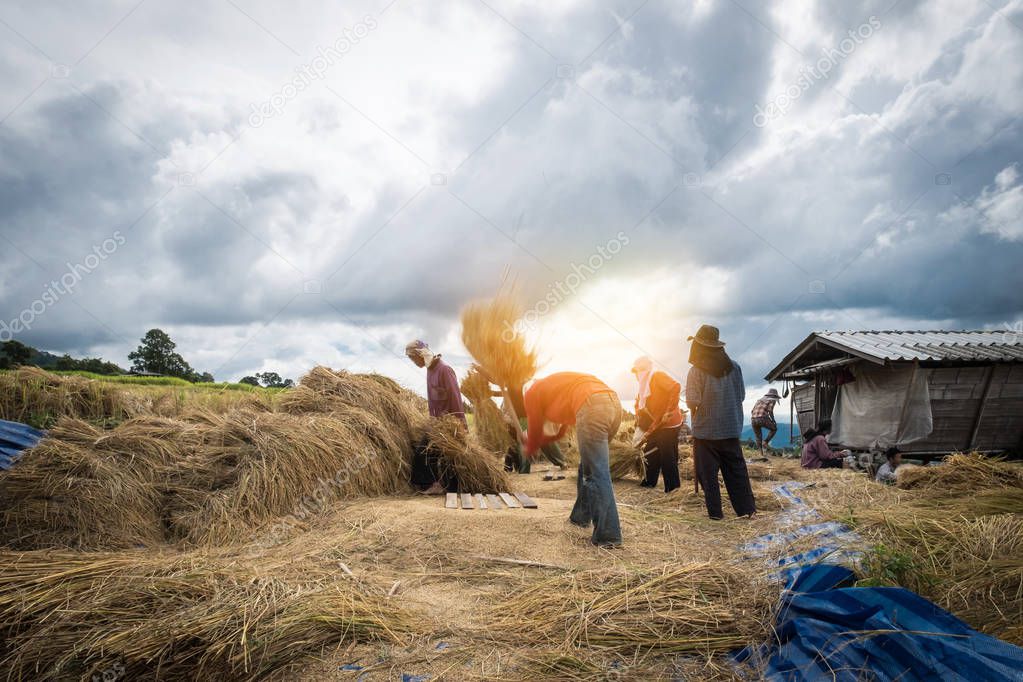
{"points": [[886, 473], [817, 454]]}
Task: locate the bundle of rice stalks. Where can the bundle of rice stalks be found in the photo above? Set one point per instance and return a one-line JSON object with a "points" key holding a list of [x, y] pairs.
{"points": [[490, 335], [962, 473], [626, 460], [210, 479], [84, 487], [487, 422], [970, 566], [264, 466], [477, 470], [37, 397], [692, 608], [324, 390], [136, 615]]}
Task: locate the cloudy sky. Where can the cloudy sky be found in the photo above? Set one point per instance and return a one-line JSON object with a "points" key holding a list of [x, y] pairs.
{"points": [[279, 186]]}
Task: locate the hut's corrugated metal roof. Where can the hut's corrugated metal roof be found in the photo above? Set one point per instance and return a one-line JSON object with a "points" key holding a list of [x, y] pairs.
{"points": [[905, 346], [1004, 346]]}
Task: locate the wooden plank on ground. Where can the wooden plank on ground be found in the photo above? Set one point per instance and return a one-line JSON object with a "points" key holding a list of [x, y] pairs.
{"points": [[509, 500], [480, 501], [526, 500], [467, 501], [451, 502], [495, 501]]}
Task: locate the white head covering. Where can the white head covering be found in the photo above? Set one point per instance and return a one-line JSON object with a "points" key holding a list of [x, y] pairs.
{"points": [[420, 348], [643, 368]]}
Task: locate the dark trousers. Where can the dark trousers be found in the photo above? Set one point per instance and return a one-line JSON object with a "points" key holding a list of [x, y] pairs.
{"points": [[724, 455], [427, 469], [662, 457], [516, 459], [759, 426]]}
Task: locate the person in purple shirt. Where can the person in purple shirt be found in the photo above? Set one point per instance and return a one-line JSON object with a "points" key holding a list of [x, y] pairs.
{"points": [[441, 383], [444, 399]]}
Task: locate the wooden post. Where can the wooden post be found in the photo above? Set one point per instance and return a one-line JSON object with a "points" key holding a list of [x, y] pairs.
{"points": [[792, 403], [975, 431]]}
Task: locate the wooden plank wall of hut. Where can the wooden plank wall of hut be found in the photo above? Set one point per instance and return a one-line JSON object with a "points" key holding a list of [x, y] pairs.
{"points": [[956, 395], [1001, 425]]}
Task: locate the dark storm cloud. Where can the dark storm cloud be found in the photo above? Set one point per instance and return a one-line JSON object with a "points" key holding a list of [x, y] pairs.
{"points": [[652, 136]]}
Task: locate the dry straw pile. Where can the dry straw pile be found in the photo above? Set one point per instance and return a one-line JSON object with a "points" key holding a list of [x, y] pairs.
{"points": [[185, 616], [477, 470], [700, 608], [962, 473], [207, 477], [956, 531]]}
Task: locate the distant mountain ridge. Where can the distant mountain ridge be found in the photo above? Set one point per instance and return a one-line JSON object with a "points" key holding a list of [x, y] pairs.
{"points": [[781, 439]]}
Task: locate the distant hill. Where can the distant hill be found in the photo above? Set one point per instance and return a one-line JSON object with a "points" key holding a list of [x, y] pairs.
{"points": [[780, 440], [42, 358]]}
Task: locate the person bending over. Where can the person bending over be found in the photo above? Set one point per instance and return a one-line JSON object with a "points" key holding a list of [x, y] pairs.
{"points": [[568, 398]]}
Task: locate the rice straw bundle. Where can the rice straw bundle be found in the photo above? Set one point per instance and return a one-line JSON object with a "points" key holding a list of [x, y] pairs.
{"points": [[487, 421], [626, 460], [477, 470], [210, 479], [186, 616], [287, 465], [690, 608], [970, 566], [324, 390], [962, 473], [83, 487], [490, 335]]}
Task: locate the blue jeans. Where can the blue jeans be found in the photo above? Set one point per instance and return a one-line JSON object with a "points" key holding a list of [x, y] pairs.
{"points": [[596, 424]]}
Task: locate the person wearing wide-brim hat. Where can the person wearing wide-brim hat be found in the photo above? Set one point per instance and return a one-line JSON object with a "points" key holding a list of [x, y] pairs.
{"points": [[714, 395], [762, 418]]}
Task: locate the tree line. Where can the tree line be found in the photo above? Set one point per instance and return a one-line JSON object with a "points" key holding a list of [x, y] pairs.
{"points": [[155, 354]]}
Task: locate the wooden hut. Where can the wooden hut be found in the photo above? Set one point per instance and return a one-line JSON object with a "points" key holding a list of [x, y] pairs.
{"points": [[927, 392]]}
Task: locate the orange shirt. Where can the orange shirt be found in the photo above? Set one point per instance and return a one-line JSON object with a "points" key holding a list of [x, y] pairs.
{"points": [[556, 399], [663, 401]]}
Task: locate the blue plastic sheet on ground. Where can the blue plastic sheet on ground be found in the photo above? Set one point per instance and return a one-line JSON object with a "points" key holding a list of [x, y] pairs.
{"points": [[883, 634], [15, 437], [832, 539], [828, 629]]}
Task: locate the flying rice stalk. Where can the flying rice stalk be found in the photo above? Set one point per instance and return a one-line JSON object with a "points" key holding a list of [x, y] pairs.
{"points": [[491, 336]]}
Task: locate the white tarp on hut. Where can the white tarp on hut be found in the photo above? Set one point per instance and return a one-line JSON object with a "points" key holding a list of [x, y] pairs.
{"points": [[883, 407]]}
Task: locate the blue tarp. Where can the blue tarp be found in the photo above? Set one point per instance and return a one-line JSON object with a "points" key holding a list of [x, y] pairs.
{"points": [[887, 634], [829, 630], [15, 437]]}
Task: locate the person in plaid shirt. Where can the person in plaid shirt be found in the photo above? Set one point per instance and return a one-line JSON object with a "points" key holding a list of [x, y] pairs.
{"points": [[763, 418]]}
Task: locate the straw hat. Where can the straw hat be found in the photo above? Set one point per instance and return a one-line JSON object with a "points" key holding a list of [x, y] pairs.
{"points": [[772, 394], [708, 336]]}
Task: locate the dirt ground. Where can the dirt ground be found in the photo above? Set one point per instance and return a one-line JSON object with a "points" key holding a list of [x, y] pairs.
{"points": [[453, 565]]}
